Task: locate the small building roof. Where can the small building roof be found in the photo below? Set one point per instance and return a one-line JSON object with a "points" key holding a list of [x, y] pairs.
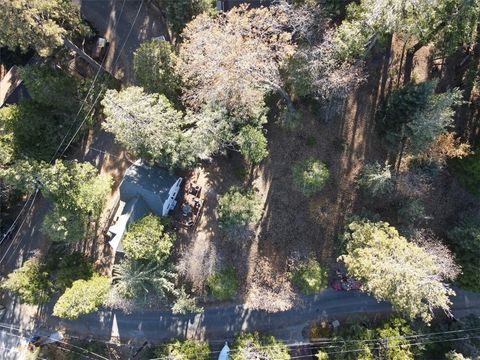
{"points": [[12, 89], [150, 182], [144, 189], [131, 211]]}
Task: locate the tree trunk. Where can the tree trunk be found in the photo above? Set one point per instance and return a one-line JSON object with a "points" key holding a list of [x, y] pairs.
{"points": [[407, 76], [288, 99]]}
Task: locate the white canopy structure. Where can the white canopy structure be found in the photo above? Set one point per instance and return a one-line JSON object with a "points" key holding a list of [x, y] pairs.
{"points": [[224, 354]]}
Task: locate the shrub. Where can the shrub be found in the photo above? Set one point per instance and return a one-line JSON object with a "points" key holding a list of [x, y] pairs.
{"points": [[253, 144], [239, 207], [310, 278], [223, 284], [185, 304], [82, 298], [465, 240], [411, 210], [184, 350], [467, 171], [253, 346], [375, 180], [310, 176], [30, 282], [147, 239], [340, 144]]}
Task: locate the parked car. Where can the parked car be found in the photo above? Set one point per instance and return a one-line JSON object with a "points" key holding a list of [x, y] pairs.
{"points": [[101, 48], [346, 284]]}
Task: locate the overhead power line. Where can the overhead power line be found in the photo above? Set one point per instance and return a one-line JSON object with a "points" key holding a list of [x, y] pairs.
{"points": [[78, 113]]}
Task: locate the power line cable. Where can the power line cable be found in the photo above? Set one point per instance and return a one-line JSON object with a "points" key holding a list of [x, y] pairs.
{"points": [[73, 122], [96, 99], [20, 227], [103, 87], [90, 88]]}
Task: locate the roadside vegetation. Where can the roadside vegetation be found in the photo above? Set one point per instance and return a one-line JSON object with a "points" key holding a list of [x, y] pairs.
{"points": [[337, 141]]}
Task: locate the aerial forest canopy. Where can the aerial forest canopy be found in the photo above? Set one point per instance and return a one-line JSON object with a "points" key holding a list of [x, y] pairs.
{"points": [[446, 23], [277, 150], [213, 93], [39, 24]]}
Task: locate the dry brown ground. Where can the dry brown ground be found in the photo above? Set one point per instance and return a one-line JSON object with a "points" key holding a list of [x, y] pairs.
{"points": [[295, 228]]}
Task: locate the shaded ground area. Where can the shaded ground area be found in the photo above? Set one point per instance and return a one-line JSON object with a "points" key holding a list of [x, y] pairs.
{"points": [[99, 148], [125, 24]]}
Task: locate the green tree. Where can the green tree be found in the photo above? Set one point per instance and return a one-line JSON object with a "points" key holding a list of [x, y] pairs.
{"points": [[223, 284], [154, 65], [34, 127], [30, 282], [62, 225], [82, 298], [136, 279], [148, 125], [181, 12], [364, 340], [253, 144], [239, 208], [447, 23], [453, 355], [51, 87], [249, 346], [465, 240], [67, 268], [375, 180], [310, 277], [310, 176], [39, 24], [322, 355], [416, 116], [76, 189], [183, 350], [148, 239], [393, 269], [393, 333], [31, 131]]}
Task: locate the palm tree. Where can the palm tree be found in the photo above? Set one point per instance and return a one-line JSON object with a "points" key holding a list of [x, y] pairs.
{"points": [[136, 278]]}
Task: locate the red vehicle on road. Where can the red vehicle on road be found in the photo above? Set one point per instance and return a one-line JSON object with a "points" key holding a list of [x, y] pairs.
{"points": [[346, 284]]}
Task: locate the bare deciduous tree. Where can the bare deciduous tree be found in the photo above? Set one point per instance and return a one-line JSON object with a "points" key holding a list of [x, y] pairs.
{"points": [[443, 257], [233, 59]]}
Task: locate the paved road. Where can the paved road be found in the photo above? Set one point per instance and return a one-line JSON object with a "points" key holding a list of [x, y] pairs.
{"points": [[218, 323], [131, 30]]}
